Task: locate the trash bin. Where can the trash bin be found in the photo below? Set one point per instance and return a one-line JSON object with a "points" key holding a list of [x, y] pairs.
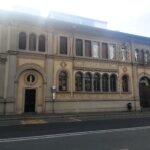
{"points": [[129, 106]]}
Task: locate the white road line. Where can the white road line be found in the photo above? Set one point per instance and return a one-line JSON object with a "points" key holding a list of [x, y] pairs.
{"points": [[41, 137], [75, 119]]}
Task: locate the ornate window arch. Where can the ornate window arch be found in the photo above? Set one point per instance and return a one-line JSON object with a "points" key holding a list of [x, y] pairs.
{"points": [[41, 43], [96, 81], [88, 81], [113, 83], [125, 83], [32, 42], [22, 40], [79, 81], [63, 80], [105, 82]]}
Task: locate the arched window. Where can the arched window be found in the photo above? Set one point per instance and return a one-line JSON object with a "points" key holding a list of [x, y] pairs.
{"points": [[63, 81], [79, 81], [136, 55], [32, 42], [88, 82], [144, 81], [96, 82], [142, 56], [105, 82], [22, 40], [113, 83], [125, 86], [42, 43]]}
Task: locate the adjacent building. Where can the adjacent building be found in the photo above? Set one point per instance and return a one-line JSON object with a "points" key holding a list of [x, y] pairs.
{"points": [[52, 66]]}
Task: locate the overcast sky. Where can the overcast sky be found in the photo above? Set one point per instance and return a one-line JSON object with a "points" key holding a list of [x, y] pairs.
{"points": [[131, 16]]}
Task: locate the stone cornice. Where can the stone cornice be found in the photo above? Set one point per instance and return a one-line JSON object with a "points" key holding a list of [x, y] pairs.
{"points": [[141, 65], [69, 58]]}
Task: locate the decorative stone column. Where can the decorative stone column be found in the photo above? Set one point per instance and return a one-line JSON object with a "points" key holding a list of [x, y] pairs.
{"points": [[92, 73], [37, 43], [27, 42], [109, 83], [101, 81], [83, 82]]}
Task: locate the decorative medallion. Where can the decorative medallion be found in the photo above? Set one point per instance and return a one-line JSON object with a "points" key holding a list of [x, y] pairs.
{"points": [[63, 64], [30, 78], [124, 69]]}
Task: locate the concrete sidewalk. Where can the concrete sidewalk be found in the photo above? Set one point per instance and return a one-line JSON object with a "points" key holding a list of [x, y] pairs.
{"points": [[25, 119]]}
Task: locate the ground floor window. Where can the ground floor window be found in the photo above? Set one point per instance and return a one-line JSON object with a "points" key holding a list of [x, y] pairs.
{"points": [[125, 85], [97, 82], [79, 81], [113, 83], [88, 82], [63, 81]]}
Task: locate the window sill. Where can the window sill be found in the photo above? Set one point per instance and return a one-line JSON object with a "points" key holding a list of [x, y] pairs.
{"points": [[63, 92], [92, 92], [126, 93], [31, 51]]}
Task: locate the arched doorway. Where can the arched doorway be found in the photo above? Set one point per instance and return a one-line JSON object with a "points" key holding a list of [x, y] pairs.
{"points": [[144, 92], [30, 92]]}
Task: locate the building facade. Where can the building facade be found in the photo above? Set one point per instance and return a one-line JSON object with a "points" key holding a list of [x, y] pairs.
{"points": [[92, 69]]}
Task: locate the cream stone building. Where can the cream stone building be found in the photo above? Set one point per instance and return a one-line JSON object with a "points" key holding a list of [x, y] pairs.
{"points": [[52, 66]]}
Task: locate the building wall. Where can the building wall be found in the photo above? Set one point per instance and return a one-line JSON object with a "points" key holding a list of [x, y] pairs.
{"points": [[16, 63]]}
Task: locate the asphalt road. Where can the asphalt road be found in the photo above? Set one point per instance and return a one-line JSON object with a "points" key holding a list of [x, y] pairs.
{"points": [[104, 135]]}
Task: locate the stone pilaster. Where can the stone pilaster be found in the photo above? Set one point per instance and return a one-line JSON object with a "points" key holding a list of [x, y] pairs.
{"points": [[49, 76], [9, 85]]}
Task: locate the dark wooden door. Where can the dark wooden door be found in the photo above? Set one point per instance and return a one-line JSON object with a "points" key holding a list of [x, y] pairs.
{"points": [[30, 100], [144, 95]]}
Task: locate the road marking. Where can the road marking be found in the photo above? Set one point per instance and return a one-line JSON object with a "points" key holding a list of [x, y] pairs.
{"points": [[75, 119], [41, 137], [33, 121]]}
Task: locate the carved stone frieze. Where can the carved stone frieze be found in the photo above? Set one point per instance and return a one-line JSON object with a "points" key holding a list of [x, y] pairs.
{"points": [[95, 65], [124, 69], [63, 64]]}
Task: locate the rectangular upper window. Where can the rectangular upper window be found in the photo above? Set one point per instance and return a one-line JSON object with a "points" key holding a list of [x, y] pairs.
{"points": [[95, 49], [105, 50], [79, 47], [112, 49], [87, 48], [123, 54], [63, 45]]}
